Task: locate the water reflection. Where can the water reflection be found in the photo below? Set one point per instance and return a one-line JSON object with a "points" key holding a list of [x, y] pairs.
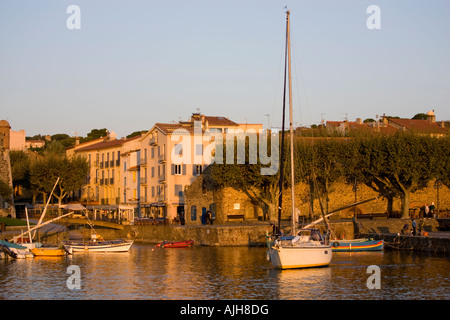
{"points": [[222, 273], [300, 284]]}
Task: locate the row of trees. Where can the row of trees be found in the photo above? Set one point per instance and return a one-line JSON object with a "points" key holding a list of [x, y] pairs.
{"points": [[39, 174], [394, 166]]}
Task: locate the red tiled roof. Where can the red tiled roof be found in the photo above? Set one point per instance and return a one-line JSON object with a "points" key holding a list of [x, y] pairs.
{"points": [[220, 121], [171, 127], [418, 125], [107, 144]]}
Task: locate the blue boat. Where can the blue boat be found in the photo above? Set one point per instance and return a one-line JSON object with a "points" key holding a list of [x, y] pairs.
{"points": [[357, 245]]}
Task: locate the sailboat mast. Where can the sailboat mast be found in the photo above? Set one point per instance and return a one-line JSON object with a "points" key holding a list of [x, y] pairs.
{"points": [[280, 182], [291, 128]]}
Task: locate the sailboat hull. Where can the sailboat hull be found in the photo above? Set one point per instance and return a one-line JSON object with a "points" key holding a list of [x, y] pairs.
{"points": [[103, 246], [300, 257], [48, 252]]}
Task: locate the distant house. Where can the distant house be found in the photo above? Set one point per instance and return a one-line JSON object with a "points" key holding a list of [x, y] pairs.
{"points": [[419, 126], [345, 127], [389, 125], [33, 144]]}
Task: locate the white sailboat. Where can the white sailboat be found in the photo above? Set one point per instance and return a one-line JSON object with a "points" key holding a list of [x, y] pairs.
{"points": [[304, 248]]}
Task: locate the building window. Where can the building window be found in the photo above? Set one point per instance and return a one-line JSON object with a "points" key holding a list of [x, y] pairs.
{"points": [[197, 169], [178, 169], [178, 190], [153, 172], [153, 191], [198, 149], [193, 213], [179, 149]]}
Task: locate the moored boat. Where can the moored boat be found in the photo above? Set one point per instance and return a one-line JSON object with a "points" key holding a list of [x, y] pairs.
{"points": [[95, 245], [175, 244], [357, 245], [48, 252], [307, 249], [15, 250]]}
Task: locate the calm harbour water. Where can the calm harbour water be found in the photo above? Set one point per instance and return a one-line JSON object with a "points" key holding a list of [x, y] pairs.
{"points": [[204, 273]]}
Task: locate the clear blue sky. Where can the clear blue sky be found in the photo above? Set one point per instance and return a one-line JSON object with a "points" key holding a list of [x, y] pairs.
{"points": [[134, 63]]}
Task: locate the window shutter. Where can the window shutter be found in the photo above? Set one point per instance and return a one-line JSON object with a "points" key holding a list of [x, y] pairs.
{"points": [[184, 169], [173, 169]]}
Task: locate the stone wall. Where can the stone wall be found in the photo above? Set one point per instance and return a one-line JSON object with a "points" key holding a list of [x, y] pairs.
{"points": [[342, 194], [5, 167], [226, 235], [229, 201]]}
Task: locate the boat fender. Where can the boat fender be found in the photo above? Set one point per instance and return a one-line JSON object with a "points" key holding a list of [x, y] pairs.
{"points": [[336, 244]]}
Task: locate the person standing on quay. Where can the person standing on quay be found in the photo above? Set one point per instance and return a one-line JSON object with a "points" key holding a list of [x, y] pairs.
{"points": [[421, 224], [414, 225]]}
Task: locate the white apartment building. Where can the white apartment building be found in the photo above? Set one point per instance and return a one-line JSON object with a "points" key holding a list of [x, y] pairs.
{"points": [[144, 172]]}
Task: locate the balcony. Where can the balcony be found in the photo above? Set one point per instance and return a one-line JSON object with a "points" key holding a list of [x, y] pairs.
{"points": [[153, 141], [162, 179], [143, 161], [143, 180], [162, 159]]}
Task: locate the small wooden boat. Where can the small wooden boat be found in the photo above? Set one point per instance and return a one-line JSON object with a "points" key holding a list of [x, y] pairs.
{"points": [[49, 252], [175, 244], [15, 250], [357, 245], [95, 245]]}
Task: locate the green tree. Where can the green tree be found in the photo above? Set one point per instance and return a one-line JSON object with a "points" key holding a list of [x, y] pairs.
{"points": [[420, 116], [440, 163], [320, 164], [262, 190], [72, 173], [401, 163], [20, 168], [95, 134], [365, 165], [5, 189]]}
